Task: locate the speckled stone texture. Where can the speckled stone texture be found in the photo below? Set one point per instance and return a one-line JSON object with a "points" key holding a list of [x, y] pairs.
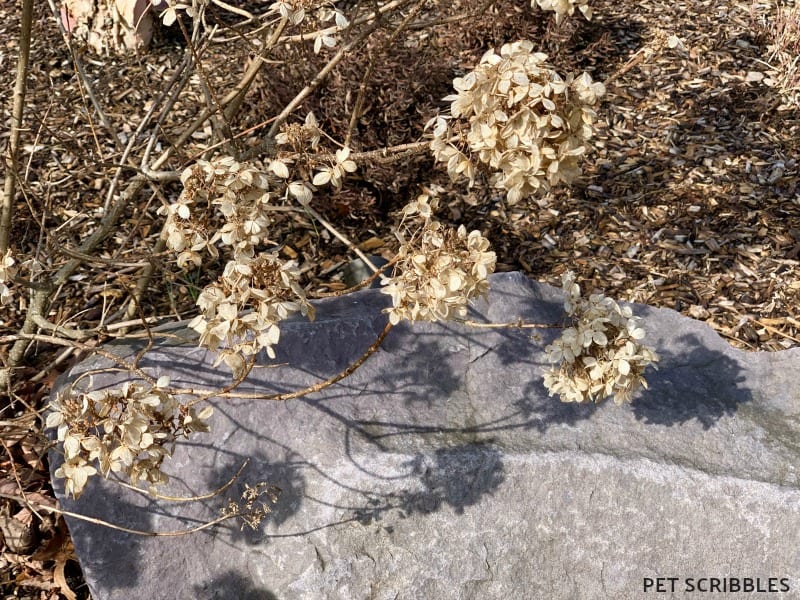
{"points": [[441, 469]]}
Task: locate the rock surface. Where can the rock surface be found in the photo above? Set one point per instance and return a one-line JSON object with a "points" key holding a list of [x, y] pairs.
{"points": [[441, 469]]}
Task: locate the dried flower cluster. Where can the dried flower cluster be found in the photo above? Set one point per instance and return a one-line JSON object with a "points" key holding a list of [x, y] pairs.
{"points": [[564, 8], [295, 140], [323, 11], [299, 137], [239, 192], [264, 284], [439, 269], [130, 430], [7, 273], [254, 505], [523, 121], [600, 355]]}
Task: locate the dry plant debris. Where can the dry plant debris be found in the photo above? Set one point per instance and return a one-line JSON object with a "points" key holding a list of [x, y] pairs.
{"points": [[689, 199]]}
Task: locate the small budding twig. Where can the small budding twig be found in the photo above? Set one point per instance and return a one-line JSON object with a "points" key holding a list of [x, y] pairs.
{"points": [[367, 282], [36, 505], [181, 499], [288, 395]]}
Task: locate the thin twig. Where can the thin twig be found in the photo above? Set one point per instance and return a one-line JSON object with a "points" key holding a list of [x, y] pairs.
{"points": [[59, 511], [518, 324], [219, 119], [235, 97], [20, 86], [181, 499], [776, 331], [336, 378], [367, 282], [299, 393], [304, 37], [480, 12], [341, 237], [57, 341], [317, 80], [144, 280]]}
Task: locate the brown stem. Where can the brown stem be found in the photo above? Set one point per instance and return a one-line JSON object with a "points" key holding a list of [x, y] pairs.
{"points": [[57, 341], [336, 378], [9, 188], [318, 79], [366, 283], [233, 100], [34, 505], [296, 394]]}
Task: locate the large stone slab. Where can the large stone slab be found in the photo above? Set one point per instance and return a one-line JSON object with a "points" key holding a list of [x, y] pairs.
{"points": [[442, 470]]}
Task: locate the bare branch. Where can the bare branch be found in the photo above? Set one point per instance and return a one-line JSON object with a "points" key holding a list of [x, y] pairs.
{"points": [[9, 188]]}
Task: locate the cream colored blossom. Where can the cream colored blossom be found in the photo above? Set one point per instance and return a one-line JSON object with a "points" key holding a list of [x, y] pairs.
{"points": [[240, 193], [518, 119], [130, 431], [564, 8], [7, 273], [600, 355], [267, 287], [439, 269], [293, 11], [336, 172]]}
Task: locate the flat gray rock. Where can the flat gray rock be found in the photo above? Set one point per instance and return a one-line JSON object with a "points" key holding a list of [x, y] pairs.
{"points": [[441, 469]]}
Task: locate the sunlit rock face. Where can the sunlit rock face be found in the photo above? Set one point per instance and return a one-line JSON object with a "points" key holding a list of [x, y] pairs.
{"points": [[442, 469]]}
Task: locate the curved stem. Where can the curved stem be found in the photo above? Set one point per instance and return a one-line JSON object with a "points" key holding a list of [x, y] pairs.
{"points": [[305, 391]]}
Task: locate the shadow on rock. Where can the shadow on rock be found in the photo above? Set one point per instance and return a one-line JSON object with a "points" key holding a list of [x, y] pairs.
{"points": [[457, 477], [232, 585], [697, 384]]}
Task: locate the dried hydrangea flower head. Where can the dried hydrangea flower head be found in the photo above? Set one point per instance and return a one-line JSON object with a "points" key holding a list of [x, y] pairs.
{"points": [[266, 286], [254, 504], [300, 137], [130, 430], [439, 269], [240, 194], [564, 8], [601, 354], [518, 118]]}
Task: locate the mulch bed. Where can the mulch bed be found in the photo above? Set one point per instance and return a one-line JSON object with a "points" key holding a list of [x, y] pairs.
{"points": [[689, 200]]}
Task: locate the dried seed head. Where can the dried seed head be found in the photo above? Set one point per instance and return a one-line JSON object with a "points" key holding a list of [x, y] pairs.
{"points": [[130, 430], [439, 271], [515, 116], [264, 285], [600, 355]]}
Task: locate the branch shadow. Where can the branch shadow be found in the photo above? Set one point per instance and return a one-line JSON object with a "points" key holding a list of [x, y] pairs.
{"points": [[231, 585]]}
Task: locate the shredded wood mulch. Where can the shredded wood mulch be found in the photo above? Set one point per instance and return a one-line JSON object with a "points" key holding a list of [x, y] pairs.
{"points": [[689, 200]]}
